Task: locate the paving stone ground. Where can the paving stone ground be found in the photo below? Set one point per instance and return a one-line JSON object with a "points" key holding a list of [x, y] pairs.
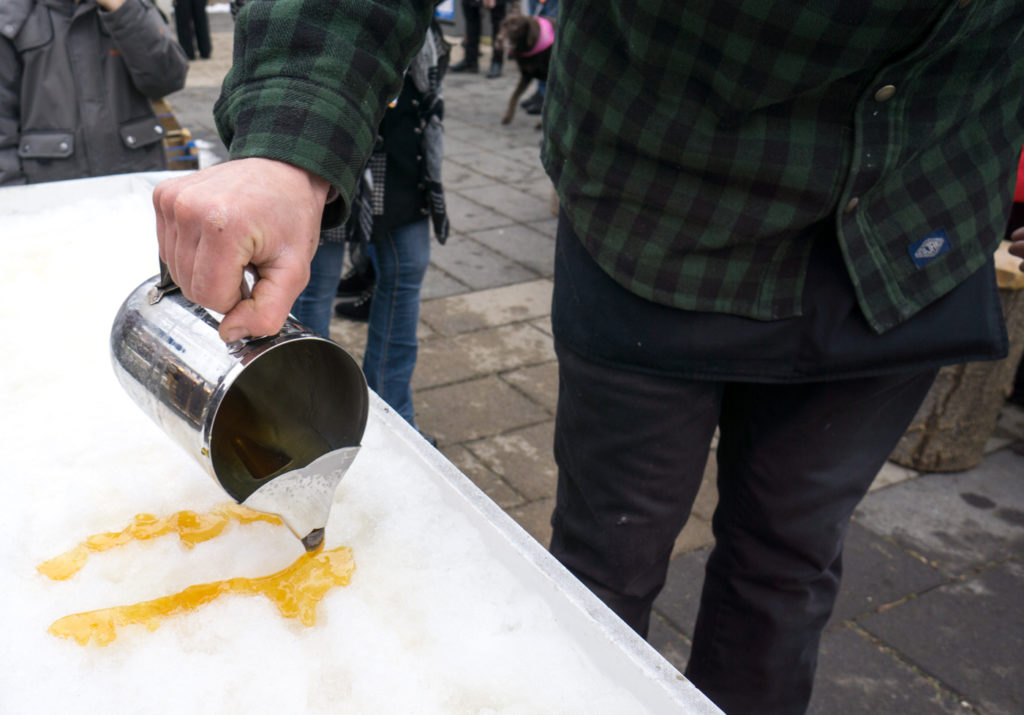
{"points": [[931, 614]]}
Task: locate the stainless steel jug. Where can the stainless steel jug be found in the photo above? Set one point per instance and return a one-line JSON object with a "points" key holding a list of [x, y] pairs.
{"points": [[276, 421]]}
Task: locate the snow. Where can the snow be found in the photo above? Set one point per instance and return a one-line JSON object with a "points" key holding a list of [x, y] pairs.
{"points": [[444, 613]]}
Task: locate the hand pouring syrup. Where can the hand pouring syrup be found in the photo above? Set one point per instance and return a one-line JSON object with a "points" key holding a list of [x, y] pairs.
{"points": [[277, 420]]}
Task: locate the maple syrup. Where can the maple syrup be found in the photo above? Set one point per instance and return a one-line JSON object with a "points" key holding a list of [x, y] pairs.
{"points": [[191, 527], [296, 590]]}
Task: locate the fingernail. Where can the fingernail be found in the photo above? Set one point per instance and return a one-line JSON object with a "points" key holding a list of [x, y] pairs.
{"points": [[235, 334]]}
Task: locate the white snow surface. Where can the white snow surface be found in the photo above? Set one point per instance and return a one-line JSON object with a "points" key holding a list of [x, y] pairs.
{"points": [[441, 616]]}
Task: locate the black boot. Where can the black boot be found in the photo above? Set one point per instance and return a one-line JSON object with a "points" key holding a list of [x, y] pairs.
{"points": [[535, 98], [354, 282], [495, 70], [466, 65], [356, 308]]}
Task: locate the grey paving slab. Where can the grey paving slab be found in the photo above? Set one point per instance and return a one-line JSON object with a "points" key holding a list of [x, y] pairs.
{"points": [[477, 266], [538, 382], [957, 520], [543, 325], [679, 600], [891, 473], [439, 284], [489, 483], [508, 201], [462, 357], [695, 535], [467, 216], [707, 496], [878, 572], [535, 518], [673, 645], [522, 244], [968, 635], [857, 676], [502, 169], [471, 410], [523, 458], [455, 146], [530, 301], [456, 176], [548, 226]]}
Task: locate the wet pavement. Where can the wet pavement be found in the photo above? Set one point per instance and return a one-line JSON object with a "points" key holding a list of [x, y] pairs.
{"points": [[931, 614]]}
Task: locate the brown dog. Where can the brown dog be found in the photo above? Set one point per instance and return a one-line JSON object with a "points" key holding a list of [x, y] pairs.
{"points": [[527, 40]]}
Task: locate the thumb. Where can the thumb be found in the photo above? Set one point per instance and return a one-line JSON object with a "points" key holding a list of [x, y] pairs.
{"points": [[260, 315]]}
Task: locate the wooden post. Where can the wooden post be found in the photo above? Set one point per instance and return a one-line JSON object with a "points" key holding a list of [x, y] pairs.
{"points": [[958, 416]]}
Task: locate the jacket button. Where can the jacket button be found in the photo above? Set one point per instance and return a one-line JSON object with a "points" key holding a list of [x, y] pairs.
{"points": [[851, 204], [129, 140], [63, 146], [885, 93], [158, 129]]}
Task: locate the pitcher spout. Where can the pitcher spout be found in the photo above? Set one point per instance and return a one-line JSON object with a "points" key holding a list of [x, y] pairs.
{"points": [[302, 498]]}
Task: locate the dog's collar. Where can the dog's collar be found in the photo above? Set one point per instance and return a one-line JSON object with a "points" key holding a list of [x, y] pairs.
{"points": [[546, 39]]}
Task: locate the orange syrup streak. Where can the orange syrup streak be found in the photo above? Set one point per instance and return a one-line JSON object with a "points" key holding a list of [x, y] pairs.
{"points": [[296, 590], [191, 527]]}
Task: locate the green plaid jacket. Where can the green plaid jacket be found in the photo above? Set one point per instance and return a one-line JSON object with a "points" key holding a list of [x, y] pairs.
{"points": [[311, 79], [691, 141]]}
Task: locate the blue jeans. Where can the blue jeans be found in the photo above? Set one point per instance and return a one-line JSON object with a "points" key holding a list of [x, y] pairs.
{"points": [[400, 259], [313, 306]]}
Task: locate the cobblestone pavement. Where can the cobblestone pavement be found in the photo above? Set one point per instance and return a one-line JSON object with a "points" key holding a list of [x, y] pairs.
{"points": [[931, 615]]}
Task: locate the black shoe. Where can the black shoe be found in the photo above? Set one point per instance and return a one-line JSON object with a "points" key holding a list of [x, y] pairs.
{"points": [[431, 439], [535, 107], [357, 308], [353, 283], [466, 65], [535, 98], [495, 70]]}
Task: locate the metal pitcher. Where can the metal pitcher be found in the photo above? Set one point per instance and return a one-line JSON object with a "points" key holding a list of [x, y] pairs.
{"points": [[276, 420]]}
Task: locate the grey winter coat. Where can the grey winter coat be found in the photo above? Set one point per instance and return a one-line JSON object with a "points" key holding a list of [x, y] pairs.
{"points": [[75, 85]]}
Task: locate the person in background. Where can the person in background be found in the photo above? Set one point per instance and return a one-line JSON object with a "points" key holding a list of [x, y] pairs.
{"points": [[398, 200], [472, 12], [76, 80], [783, 244], [193, 26]]}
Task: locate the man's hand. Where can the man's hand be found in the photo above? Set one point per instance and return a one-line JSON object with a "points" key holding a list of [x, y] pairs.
{"points": [[215, 222], [110, 5], [1017, 244]]}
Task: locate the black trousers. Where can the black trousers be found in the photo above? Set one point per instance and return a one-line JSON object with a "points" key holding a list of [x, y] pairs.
{"points": [[193, 27], [471, 11], [793, 462]]}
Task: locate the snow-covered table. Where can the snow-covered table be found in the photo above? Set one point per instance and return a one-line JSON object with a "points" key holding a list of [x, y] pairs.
{"points": [[452, 607]]}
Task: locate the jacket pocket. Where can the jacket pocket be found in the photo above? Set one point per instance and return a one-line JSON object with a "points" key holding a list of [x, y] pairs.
{"points": [[36, 32], [140, 133], [46, 145]]}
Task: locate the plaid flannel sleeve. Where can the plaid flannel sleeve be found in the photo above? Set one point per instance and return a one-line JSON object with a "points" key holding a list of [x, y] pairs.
{"points": [[311, 79]]}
